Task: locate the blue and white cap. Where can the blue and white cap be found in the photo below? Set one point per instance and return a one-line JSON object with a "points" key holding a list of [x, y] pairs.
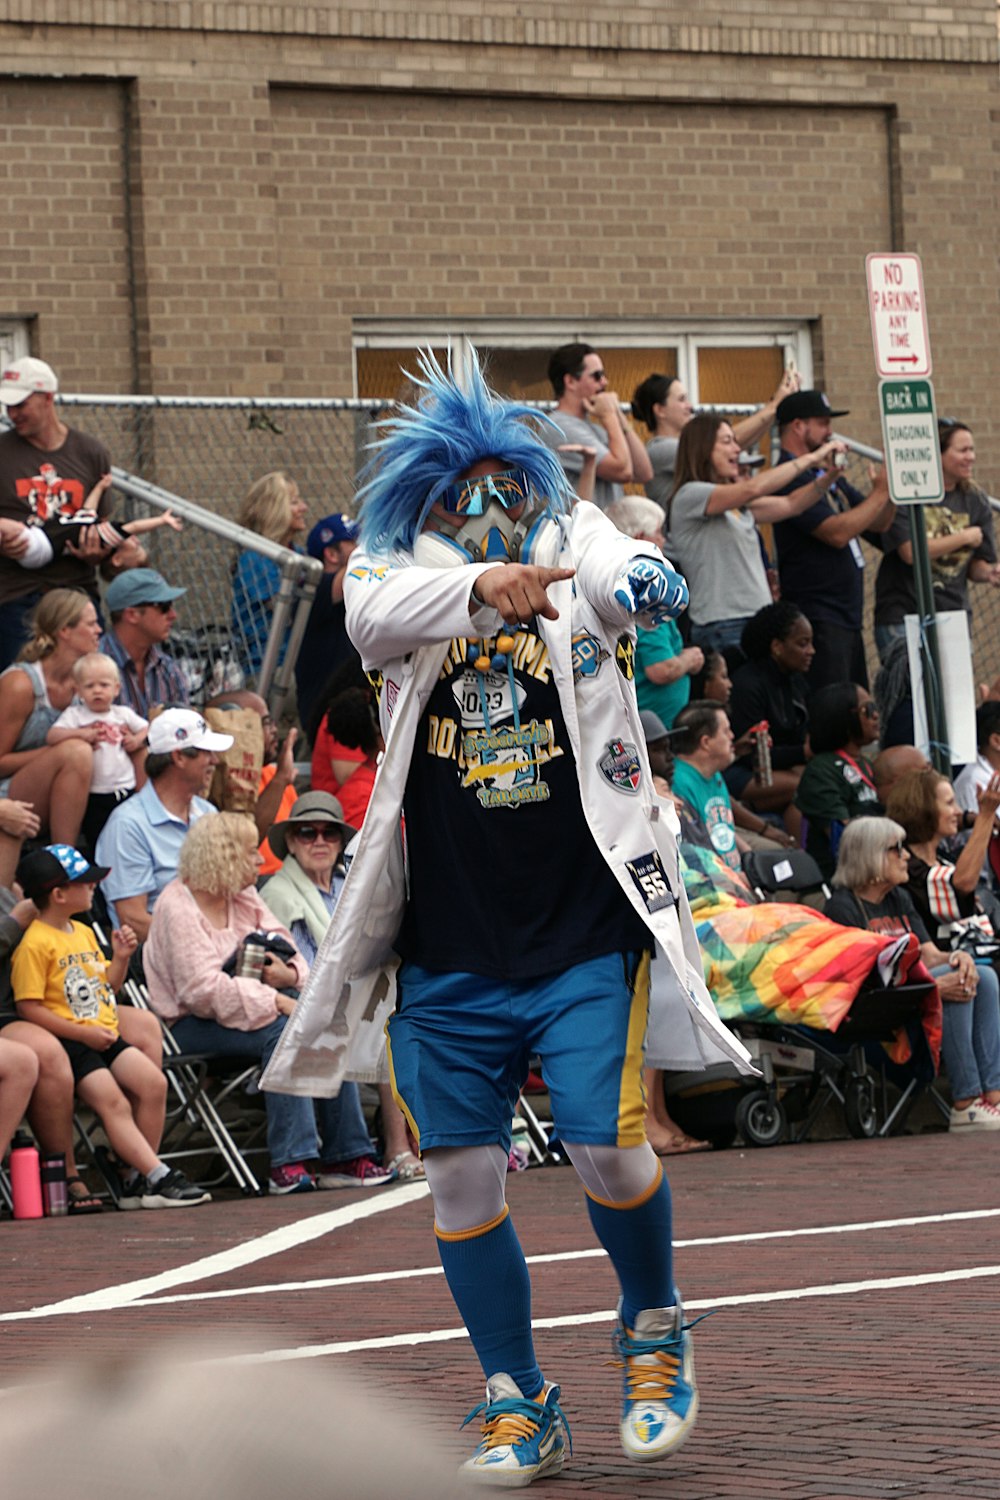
{"points": [[57, 864]]}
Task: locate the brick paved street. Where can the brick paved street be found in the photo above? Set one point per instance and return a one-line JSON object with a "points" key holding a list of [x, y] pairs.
{"points": [[870, 1390]]}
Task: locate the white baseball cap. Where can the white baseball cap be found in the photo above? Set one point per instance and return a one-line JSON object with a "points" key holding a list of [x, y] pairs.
{"points": [[183, 729], [23, 378]]}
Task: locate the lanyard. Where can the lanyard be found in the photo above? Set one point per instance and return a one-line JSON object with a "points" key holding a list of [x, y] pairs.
{"points": [[852, 762]]}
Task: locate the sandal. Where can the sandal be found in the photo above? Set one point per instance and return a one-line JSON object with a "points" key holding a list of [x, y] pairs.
{"points": [[80, 1199], [681, 1145], [406, 1167]]}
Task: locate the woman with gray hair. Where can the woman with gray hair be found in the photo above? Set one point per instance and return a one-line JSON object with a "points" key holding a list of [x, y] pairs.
{"points": [[871, 869]]}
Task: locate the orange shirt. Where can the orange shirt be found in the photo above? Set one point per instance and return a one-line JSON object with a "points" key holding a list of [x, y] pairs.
{"points": [[271, 861]]}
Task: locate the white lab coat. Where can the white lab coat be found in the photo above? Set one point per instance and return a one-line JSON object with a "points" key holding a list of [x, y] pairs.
{"points": [[402, 617]]}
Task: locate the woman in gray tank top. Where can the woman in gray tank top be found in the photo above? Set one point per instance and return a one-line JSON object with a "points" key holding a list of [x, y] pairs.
{"points": [[40, 784]]}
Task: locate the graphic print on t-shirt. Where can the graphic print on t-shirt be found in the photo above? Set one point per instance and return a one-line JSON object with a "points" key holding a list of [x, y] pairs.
{"points": [[48, 496], [942, 521], [499, 741]]}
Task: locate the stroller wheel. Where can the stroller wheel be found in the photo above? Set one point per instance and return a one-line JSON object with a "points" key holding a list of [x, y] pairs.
{"points": [[859, 1108], [761, 1121]]}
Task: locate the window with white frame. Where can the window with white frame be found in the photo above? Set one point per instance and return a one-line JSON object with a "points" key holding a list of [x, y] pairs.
{"points": [[726, 363]]}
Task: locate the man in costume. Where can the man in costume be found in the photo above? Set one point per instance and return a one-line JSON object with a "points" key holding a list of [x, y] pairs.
{"points": [[539, 869]]}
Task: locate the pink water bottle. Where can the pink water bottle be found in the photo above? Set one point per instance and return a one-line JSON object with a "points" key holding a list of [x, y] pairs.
{"points": [[25, 1178]]}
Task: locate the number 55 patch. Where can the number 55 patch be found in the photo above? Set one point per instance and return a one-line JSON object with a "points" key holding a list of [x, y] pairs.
{"points": [[651, 881]]}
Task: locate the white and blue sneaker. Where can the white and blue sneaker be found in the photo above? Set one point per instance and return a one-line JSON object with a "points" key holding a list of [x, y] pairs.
{"points": [[522, 1439], [660, 1404]]}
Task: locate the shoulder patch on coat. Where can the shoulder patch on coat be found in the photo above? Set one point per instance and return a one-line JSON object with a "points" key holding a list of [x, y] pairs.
{"points": [[620, 766], [651, 881], [625, 656], [588, 655]]}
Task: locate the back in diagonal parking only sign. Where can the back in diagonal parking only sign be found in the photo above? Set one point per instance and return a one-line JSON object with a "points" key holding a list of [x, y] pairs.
{"points": [[910, 435]]}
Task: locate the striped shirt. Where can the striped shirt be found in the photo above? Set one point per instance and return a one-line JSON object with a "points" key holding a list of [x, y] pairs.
{"points": [[164, 682]]}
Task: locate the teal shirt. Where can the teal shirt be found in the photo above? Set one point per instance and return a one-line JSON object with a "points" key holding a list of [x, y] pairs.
{"points": [[668, 698], [709, 797]]}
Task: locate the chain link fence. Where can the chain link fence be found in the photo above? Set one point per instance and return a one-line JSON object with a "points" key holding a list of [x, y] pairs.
{"points": [[200, 456]]}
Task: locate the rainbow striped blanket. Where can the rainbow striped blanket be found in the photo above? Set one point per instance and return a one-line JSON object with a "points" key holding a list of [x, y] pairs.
{"points": [[771, 961]]}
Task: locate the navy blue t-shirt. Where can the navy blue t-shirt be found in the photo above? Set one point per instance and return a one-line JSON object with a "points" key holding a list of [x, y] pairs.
{"points": [[505, 877], [826, 582]]}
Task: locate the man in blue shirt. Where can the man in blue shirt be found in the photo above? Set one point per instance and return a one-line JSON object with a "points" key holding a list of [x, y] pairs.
{"points": [[141, 841], [820, 562], [141, 605]]}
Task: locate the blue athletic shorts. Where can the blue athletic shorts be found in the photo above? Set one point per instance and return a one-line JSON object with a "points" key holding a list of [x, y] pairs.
{"points": [[459, 1047]]}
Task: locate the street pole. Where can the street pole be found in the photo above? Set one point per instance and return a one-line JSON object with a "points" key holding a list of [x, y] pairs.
{"points": [[937, 728]]}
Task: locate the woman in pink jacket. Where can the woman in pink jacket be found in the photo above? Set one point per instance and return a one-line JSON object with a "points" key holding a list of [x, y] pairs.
{"points": [[201, 920]]}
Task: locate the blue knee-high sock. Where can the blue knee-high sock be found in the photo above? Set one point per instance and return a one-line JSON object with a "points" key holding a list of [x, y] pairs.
{"points": [[486, 1272], [638, 1239]]}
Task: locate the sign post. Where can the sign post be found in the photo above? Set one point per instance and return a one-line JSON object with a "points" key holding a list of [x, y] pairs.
{"points": [[901, 341]]}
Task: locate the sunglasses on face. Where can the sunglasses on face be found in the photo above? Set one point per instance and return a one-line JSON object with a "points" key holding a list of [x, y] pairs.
{"points": [[470, 497], [163, 605], [309, 833], [899, 848], [869, 710]]}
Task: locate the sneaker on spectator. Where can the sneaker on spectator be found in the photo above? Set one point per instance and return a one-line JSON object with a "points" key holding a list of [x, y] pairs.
{"points": [[292, 1178], [172, 1191], [130, 1192], [522, 1439], [363, 1171], [660, 1404], [979, 1115]]}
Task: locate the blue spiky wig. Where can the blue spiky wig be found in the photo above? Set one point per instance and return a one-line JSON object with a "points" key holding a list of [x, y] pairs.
{"points": [[427, 447]]}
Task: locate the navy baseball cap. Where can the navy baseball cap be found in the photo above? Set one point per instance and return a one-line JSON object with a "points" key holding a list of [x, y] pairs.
{"points": [[57, 864], [330, 531], [801, 405]]}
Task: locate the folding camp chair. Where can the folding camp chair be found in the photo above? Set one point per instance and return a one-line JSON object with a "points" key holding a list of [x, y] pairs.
{"points": [[785, 874], [202, 1117], [202, 1087]]}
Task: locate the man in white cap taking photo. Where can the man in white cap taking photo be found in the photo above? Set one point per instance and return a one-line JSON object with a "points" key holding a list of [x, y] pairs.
{"points": [[47, 471], [141, 841]]}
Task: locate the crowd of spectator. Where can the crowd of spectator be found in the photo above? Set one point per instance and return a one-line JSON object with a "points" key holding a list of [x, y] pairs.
{"points": [[105, 768]]}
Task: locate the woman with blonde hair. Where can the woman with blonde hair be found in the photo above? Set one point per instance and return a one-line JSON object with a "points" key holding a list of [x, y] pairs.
{"points": [[274, 509], [192, 959], [44, 786]]}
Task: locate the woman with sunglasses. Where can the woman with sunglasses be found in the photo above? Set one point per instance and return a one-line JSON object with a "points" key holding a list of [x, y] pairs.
{"points": [[960, 543], [838, 783], [873, 865], [303, 895]]}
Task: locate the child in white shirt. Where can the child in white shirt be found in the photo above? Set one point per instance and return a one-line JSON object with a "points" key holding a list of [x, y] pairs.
{"points": [[117, 733]]}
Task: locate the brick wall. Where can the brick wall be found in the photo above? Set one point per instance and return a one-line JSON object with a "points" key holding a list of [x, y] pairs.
{"points": [[213, 192]]}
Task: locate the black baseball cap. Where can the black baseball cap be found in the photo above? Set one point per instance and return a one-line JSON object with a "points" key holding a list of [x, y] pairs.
{"points": [[57, 864], [803, 404]]}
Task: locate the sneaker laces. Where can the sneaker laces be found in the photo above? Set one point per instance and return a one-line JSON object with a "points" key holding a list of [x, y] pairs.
{"points": [[655, 1379], [516, 1420]]}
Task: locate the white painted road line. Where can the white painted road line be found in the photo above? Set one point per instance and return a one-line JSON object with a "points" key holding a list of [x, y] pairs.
{"points": [[791, 1294], [380, 1278], [273, 1243], [144, 1291]]}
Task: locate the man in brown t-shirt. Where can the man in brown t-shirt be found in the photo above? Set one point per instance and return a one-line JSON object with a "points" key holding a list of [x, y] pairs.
{"points": [[47, 471]]}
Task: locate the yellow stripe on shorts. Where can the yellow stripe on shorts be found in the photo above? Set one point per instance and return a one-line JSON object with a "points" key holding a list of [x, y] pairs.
{"points": [[632, 1093]]}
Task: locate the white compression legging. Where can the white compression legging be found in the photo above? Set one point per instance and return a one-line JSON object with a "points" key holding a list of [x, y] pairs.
{"points": [[467, 1182]]}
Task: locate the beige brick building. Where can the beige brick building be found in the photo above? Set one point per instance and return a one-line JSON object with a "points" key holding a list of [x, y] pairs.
{"points": [[217, 197]]}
